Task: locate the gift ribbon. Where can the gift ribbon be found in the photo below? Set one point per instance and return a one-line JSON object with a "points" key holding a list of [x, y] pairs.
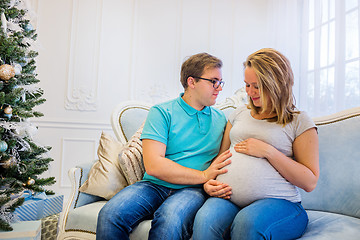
{"points": [[37, 196]]}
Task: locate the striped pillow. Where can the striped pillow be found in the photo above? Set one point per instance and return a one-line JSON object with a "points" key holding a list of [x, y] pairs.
{"points": [[130, 158]]}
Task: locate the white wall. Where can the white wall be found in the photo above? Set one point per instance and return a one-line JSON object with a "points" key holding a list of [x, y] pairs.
{"points": [[94, 54]]}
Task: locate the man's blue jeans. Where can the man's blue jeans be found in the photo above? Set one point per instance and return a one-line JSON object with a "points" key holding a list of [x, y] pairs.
{"points": [[264, 219], [173, 211]]}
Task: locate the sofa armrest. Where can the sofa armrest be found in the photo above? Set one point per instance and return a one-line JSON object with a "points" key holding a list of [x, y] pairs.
{"points": [[85, 167], [337, 189], [75, 176]]}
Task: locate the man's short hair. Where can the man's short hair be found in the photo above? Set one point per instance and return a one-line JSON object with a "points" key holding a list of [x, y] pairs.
{"points": [[196, 64]]}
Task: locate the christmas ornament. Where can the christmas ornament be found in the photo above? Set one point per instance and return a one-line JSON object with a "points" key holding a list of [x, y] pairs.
{"points": [[6, 72], [28, 27], [8, 115], [30, 182], [8, 110], [3, 146], [8, 162]]}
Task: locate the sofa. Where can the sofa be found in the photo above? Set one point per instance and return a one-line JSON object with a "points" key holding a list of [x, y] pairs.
{"points": [[333, 207]]}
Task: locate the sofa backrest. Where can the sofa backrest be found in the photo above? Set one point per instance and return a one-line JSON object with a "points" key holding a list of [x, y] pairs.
{"points": [[128, 116], [133, 115], [338, 188]]}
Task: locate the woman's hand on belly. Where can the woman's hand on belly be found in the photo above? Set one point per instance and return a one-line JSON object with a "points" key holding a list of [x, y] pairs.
{"points": [[254, 147], [217, 189]]}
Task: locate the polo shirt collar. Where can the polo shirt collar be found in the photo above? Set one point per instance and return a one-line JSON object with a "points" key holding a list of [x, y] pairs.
{"points": [[189, 109]]}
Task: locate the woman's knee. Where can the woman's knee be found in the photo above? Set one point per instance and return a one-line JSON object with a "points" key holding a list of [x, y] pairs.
{"points": [[269, 218], [245, 226]]}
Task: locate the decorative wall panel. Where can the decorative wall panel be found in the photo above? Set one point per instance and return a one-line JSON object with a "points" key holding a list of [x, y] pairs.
{"points": [[71, 155], [82, 92]]}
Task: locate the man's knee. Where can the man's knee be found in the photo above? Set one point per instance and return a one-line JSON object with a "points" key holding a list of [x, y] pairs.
{"points": [[103, 214]]}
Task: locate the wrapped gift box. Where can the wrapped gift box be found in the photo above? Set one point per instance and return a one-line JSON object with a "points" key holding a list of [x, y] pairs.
{"points": [[29, 230], [35, 209], [49, 227]]}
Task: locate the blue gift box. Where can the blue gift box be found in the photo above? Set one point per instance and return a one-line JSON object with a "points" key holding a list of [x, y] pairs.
{"points": [[35, 209]]}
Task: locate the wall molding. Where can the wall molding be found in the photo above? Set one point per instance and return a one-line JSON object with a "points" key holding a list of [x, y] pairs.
{"points": [[72, 143], [72, 124], [83, 82]]}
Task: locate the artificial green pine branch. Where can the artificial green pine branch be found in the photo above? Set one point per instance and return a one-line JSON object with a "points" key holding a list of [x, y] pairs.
{"points": [[23, 160]]}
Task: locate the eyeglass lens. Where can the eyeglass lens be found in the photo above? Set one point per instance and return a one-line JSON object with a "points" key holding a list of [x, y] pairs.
{"points": [[217, 84]]}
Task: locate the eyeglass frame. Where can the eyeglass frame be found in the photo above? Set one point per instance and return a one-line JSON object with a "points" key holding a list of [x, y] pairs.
{"points": [[213, 81]]}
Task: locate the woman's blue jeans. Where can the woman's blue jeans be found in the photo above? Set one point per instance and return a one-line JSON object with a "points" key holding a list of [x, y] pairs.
{"points": [[173, 211], [264, 219]]}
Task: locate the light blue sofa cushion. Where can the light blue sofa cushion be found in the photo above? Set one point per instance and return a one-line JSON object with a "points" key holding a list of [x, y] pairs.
{"points": [[338, 188], [327, 226], [84, 219]]}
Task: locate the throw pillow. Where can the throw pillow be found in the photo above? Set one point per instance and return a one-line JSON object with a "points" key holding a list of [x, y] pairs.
{"points": [[106, 177], [130, 158]]}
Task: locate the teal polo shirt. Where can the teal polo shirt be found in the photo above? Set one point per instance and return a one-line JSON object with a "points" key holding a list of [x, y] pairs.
{"points": [[192, 137]]}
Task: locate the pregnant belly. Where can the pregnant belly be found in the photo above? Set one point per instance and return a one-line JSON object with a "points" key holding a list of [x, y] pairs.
{"points": [[254, 178]]}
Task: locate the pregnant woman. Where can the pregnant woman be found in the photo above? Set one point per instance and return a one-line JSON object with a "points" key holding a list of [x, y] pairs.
{"points": [[274, 152]]}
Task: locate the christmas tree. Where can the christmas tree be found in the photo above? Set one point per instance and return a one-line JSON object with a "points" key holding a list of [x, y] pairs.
{"points": [[22, 161]]}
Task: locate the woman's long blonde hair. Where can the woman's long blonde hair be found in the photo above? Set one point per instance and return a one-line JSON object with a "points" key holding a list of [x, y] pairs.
{"points": [[275, 82]]}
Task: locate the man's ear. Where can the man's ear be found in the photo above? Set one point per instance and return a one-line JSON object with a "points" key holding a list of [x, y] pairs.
{"points": [[191, 82]]}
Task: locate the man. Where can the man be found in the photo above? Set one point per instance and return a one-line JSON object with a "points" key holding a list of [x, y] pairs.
{"points": [[180, 139]]}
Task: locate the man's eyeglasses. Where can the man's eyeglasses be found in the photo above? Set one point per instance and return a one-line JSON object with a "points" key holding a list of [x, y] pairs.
{"points": [[216, 83]]}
